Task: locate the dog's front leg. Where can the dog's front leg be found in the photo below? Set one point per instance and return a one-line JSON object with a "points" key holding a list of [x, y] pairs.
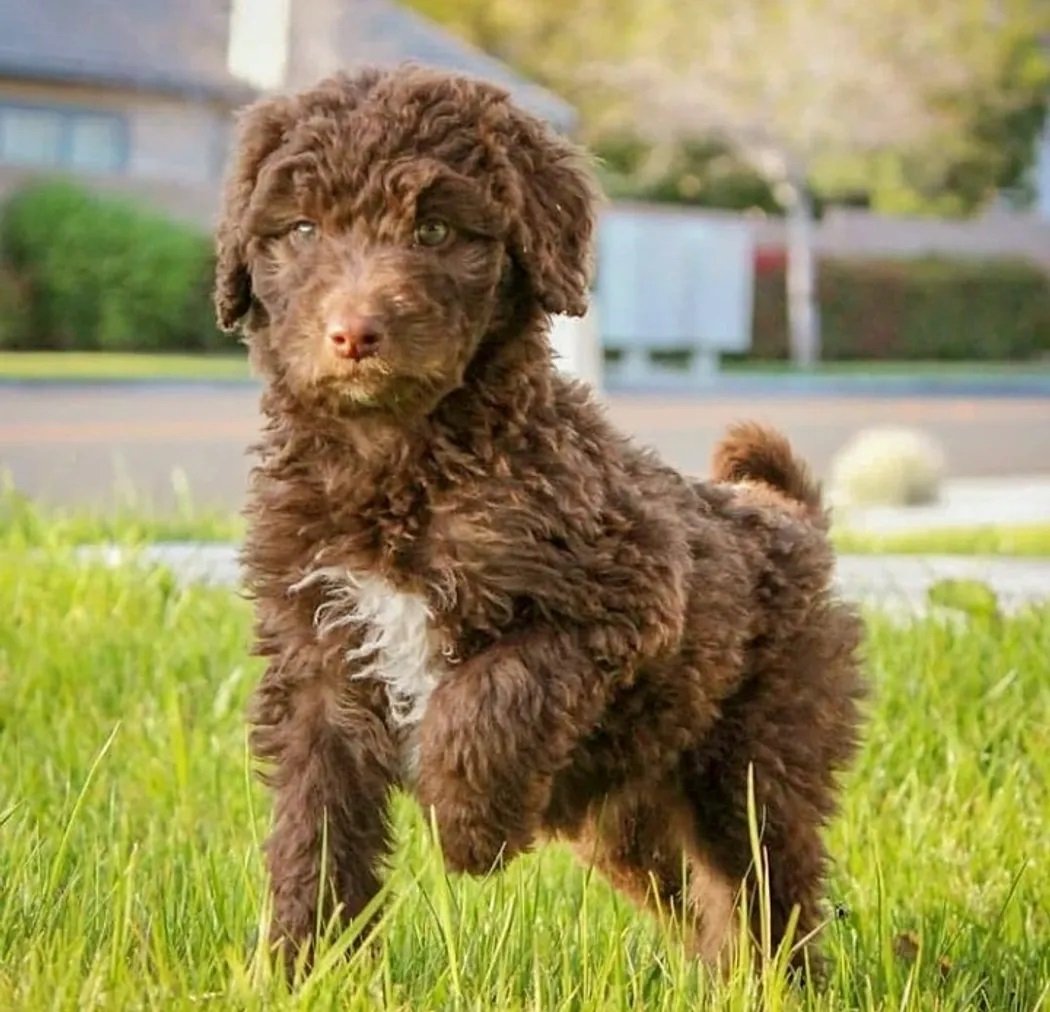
{"points": [[495, 733], [331, 763]]}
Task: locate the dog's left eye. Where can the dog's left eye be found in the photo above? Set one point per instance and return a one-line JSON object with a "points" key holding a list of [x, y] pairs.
{"points": [[432, 232]]}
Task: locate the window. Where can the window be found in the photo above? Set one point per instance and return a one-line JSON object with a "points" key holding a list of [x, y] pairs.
{"points": [[62, 138], [30, 137], [96, 143]]}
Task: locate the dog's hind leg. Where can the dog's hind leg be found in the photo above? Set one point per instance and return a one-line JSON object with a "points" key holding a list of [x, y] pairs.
{"points": [[634, 841], [645, 846], [331, 764], [790, 729]]}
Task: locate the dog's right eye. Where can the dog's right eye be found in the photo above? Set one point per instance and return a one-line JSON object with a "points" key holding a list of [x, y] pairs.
{"points": [[303, 229], [432, 232]]}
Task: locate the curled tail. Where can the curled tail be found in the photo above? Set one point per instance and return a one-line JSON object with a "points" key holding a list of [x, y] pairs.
{"points": [[755, 453]]}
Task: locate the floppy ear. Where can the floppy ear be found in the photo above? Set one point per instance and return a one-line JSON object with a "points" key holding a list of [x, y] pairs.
{"points": [[261, 129], [553, 226]]}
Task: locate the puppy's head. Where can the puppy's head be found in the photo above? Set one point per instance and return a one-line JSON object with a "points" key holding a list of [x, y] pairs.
{"points": [[376, 228]]}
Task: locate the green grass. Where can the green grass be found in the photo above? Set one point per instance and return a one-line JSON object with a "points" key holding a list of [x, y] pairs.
{"points": [[130, 874], [1025, 540], [933, 369], [24, 524], [98, 365]]}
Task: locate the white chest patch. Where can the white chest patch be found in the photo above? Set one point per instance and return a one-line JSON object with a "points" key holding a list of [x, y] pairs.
{"points": [[398, 644]]}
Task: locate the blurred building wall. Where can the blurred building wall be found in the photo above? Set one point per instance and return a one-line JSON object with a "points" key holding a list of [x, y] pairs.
{"points": [[845, 232], [167, 139]]}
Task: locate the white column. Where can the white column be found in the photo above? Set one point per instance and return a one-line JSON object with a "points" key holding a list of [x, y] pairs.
{"points": [[577, 346]]}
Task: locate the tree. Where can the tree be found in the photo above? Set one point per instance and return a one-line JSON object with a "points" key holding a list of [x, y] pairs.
{"points": [[992, 156], [545, 39], [925, 90], [960, 171], [788, 83]]}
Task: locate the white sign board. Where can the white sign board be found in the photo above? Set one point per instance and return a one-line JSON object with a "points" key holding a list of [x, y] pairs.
{"points": [[675, 278]]}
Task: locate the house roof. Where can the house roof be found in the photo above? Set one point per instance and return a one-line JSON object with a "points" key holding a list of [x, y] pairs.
{"points": [[331, 35], [180, 47], [173, 46]]}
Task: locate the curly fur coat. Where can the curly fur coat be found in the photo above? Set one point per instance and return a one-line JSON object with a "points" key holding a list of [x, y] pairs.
{"points": [[470, 586]]}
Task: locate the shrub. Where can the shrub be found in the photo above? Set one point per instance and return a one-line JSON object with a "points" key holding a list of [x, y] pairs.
{"points": [[14, 311], [913, 309], [701, 174], [101, 273], [890, 466]]}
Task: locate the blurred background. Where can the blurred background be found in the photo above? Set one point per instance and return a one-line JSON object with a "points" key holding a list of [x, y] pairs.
{"points": [[830, 215]]}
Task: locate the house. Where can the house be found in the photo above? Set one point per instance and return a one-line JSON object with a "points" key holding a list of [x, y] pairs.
{"points": [[329, 35], [137, 95], [135, 91], [1040, 174]]}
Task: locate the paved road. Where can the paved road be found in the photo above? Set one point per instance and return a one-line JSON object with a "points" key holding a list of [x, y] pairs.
{"points": [[82, 443]]}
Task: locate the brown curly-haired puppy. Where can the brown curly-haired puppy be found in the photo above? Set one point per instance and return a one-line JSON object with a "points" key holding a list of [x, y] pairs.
{"points": [[468, 585]]}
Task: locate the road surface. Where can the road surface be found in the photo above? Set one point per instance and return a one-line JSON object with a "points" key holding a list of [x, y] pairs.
{"points": [[91, 443]]}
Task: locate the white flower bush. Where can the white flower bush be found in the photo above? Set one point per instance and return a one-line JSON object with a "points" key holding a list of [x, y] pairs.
{"points": [[890, 466]]}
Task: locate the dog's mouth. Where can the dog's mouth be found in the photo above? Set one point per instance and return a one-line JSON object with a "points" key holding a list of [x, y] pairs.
{"points": [[406, 375], [350, 369], [373, 383], [350, 378]]}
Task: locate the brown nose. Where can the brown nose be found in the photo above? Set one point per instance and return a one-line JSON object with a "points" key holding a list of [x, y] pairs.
{"points": [[354, 337]]}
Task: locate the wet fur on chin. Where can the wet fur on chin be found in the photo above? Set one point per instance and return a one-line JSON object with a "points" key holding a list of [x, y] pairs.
{"points": [[493, 598]]}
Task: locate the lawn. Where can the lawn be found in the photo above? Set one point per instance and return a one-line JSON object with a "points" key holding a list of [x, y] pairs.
{"points": [[1021, 540], [67, 365], [130, 874], [100, 365], [932, 369], [24, 523]]}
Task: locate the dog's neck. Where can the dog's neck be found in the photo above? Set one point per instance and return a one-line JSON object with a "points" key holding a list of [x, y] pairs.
{"points": [[358, 490], [509, 379]]}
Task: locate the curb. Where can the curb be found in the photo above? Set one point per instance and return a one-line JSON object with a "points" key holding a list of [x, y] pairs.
{"points": [[726, 385], [895, 580], [125, 382]]}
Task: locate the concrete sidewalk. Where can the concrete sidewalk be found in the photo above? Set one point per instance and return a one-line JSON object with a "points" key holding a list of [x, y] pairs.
{"points": [[896, 581], [904, 581], [964, 502]]}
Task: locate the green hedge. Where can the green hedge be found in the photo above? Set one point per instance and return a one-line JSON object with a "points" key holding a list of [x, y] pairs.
{"points": [[80, 271], [914, 309], [85, 272], [15, 328]]}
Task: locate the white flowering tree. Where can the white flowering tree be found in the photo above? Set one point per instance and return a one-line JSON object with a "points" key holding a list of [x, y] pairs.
{"points": [[788, 83]]}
